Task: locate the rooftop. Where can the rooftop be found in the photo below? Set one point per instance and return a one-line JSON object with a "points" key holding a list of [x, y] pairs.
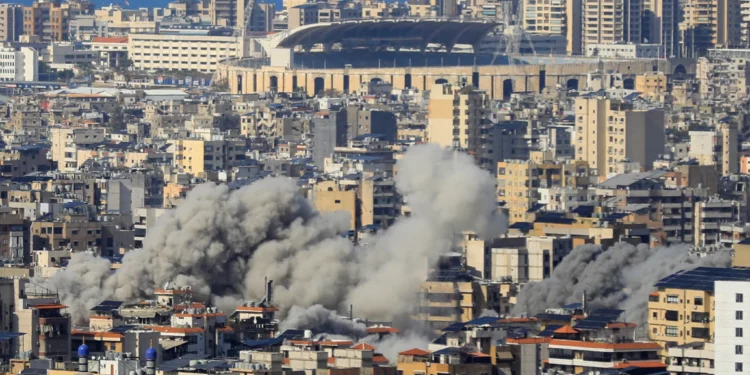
{"points": [[703, 278]]}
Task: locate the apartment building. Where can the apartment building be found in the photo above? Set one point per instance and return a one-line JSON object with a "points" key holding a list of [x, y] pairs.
{"points": [[659, 24], [611, 21], [652, 85], [19, 65], [555, 17], [695, 358], [198, 53], [43, 318], [311, 13], [333, 196], [723, 79], [66, 142], [458, 119], [731, 345], [74, 232], [199, 156], [11, 22], [685, 309], [533, 262], [442, 303], [50, 21], [707, 24], [519, 183], [599, 344], [609, 132], [717, 148]]}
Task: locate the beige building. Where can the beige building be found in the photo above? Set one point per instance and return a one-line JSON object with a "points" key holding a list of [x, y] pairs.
{"points": [[197, 156], [609, 131], [534, 262], [66, 142], [454, 112], [611, 21], [442, 303], [556, 17], [652, 85], [330, 196], [184, 52], [73, 232], [718, 148]]}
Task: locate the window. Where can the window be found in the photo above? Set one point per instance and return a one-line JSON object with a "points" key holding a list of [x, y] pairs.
{"points": [[337, 201], [738, 349], [673, 298], [671, 331], [698, 301], [738, 297], [738, 367], [738, 332], [738, 315]]}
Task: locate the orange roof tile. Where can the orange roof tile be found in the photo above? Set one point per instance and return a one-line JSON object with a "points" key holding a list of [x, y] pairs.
{"points": [[478, 354], [104, 39], [100, 317], [382, 330], [621, 325], [331, 360], [529, 340], [643, 364], [379, 358], [605, 345], [363, 346], [225, 329], [415, 351], [654, 294], [566, 329]]}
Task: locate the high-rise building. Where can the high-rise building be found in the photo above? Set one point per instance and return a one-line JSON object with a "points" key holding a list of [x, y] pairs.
{"points": [[11, 22], [556, 17], [457, 119], [732, 352], [659, 24], [50, 20], [730, 159], [611, 21], [609, 131], [709, 24], [329, 131]]}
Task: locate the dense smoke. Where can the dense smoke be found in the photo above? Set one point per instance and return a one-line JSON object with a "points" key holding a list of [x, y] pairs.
{"points": [[319, 319], [620, 277], [223, 243]]}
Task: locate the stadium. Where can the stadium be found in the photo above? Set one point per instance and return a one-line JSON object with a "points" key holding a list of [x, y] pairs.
{"points": [[414, 53]]}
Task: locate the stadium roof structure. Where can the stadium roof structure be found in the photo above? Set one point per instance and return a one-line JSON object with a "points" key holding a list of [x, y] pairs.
{"points": [[400, 33]]}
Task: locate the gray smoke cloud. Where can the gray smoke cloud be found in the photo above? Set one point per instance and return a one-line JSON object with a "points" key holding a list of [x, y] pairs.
{"points": [[620, 277], [319, 319], [223, 243]]}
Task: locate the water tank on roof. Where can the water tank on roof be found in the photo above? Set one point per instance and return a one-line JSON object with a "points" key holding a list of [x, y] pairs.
{"points": [[150, 354], [83, 351]]}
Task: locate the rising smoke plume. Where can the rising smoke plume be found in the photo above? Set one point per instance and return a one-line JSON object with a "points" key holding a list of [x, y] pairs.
{"points": [[223, 243], [620, 277]]}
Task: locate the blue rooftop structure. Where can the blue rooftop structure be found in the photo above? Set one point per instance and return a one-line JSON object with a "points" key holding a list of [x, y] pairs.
{"points": [[703, 278], [549, 330], [83, 351], [5, 336]]}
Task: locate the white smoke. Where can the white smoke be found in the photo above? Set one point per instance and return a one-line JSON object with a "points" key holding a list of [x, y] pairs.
{"points": [[223, 243], [620, 277]]}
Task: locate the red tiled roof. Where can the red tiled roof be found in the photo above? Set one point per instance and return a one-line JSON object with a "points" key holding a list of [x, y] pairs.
{"points": [[566, 329], [415, 351], [621, 325], [379, 358], [104, 39], [478, 354], [530, 340], [382, 330], [363, 346]]}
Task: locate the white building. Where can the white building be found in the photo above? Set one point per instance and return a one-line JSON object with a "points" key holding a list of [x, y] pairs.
{"points": [[626, 50], [19, 65], [732, 348]]}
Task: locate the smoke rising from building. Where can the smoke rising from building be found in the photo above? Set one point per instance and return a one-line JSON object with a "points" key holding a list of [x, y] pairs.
{"points": [[620, 277], [223, 243]]}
